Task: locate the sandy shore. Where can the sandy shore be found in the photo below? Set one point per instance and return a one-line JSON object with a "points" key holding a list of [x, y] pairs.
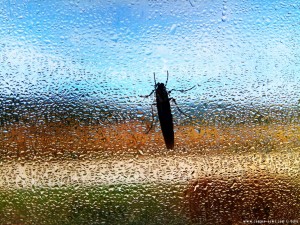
{"points": [[15, 175]]}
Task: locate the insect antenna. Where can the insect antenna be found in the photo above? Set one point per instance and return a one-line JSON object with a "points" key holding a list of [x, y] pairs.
{"points": [[154, 81], [167, 78]]}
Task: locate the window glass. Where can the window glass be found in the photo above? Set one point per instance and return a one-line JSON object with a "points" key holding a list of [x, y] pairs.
{"points": [[149, 112]]}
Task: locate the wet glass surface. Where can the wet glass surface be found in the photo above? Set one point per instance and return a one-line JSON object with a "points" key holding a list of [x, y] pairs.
{"points": [[81, 144]]}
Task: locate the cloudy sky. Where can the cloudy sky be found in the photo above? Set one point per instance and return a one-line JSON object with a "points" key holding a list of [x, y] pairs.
{"points": [[234, 52]]}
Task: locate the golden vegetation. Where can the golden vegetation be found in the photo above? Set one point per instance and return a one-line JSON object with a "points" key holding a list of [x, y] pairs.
{"points": [[59, 139]]}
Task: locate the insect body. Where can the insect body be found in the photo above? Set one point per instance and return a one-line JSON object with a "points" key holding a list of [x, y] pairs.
{"points": [[164, 110], [164, 114]]}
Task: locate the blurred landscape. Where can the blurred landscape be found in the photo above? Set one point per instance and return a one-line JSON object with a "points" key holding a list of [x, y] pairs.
{"points": [[75, 127], [221, 189], [74, 147]]}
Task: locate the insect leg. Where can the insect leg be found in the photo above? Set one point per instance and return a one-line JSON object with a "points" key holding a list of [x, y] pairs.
{"points": [[173, 100], [152, 120], [182, 91], [191, 3], [147, 96]]}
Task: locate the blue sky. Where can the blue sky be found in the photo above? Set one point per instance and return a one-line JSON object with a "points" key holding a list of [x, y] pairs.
{"points": [[236, 52]]}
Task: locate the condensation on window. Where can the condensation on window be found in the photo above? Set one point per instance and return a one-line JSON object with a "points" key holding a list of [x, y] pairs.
{"points": [[149, 112]]}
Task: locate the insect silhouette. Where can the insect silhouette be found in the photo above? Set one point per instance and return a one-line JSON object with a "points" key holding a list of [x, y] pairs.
{"points": [[164, 110]]}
